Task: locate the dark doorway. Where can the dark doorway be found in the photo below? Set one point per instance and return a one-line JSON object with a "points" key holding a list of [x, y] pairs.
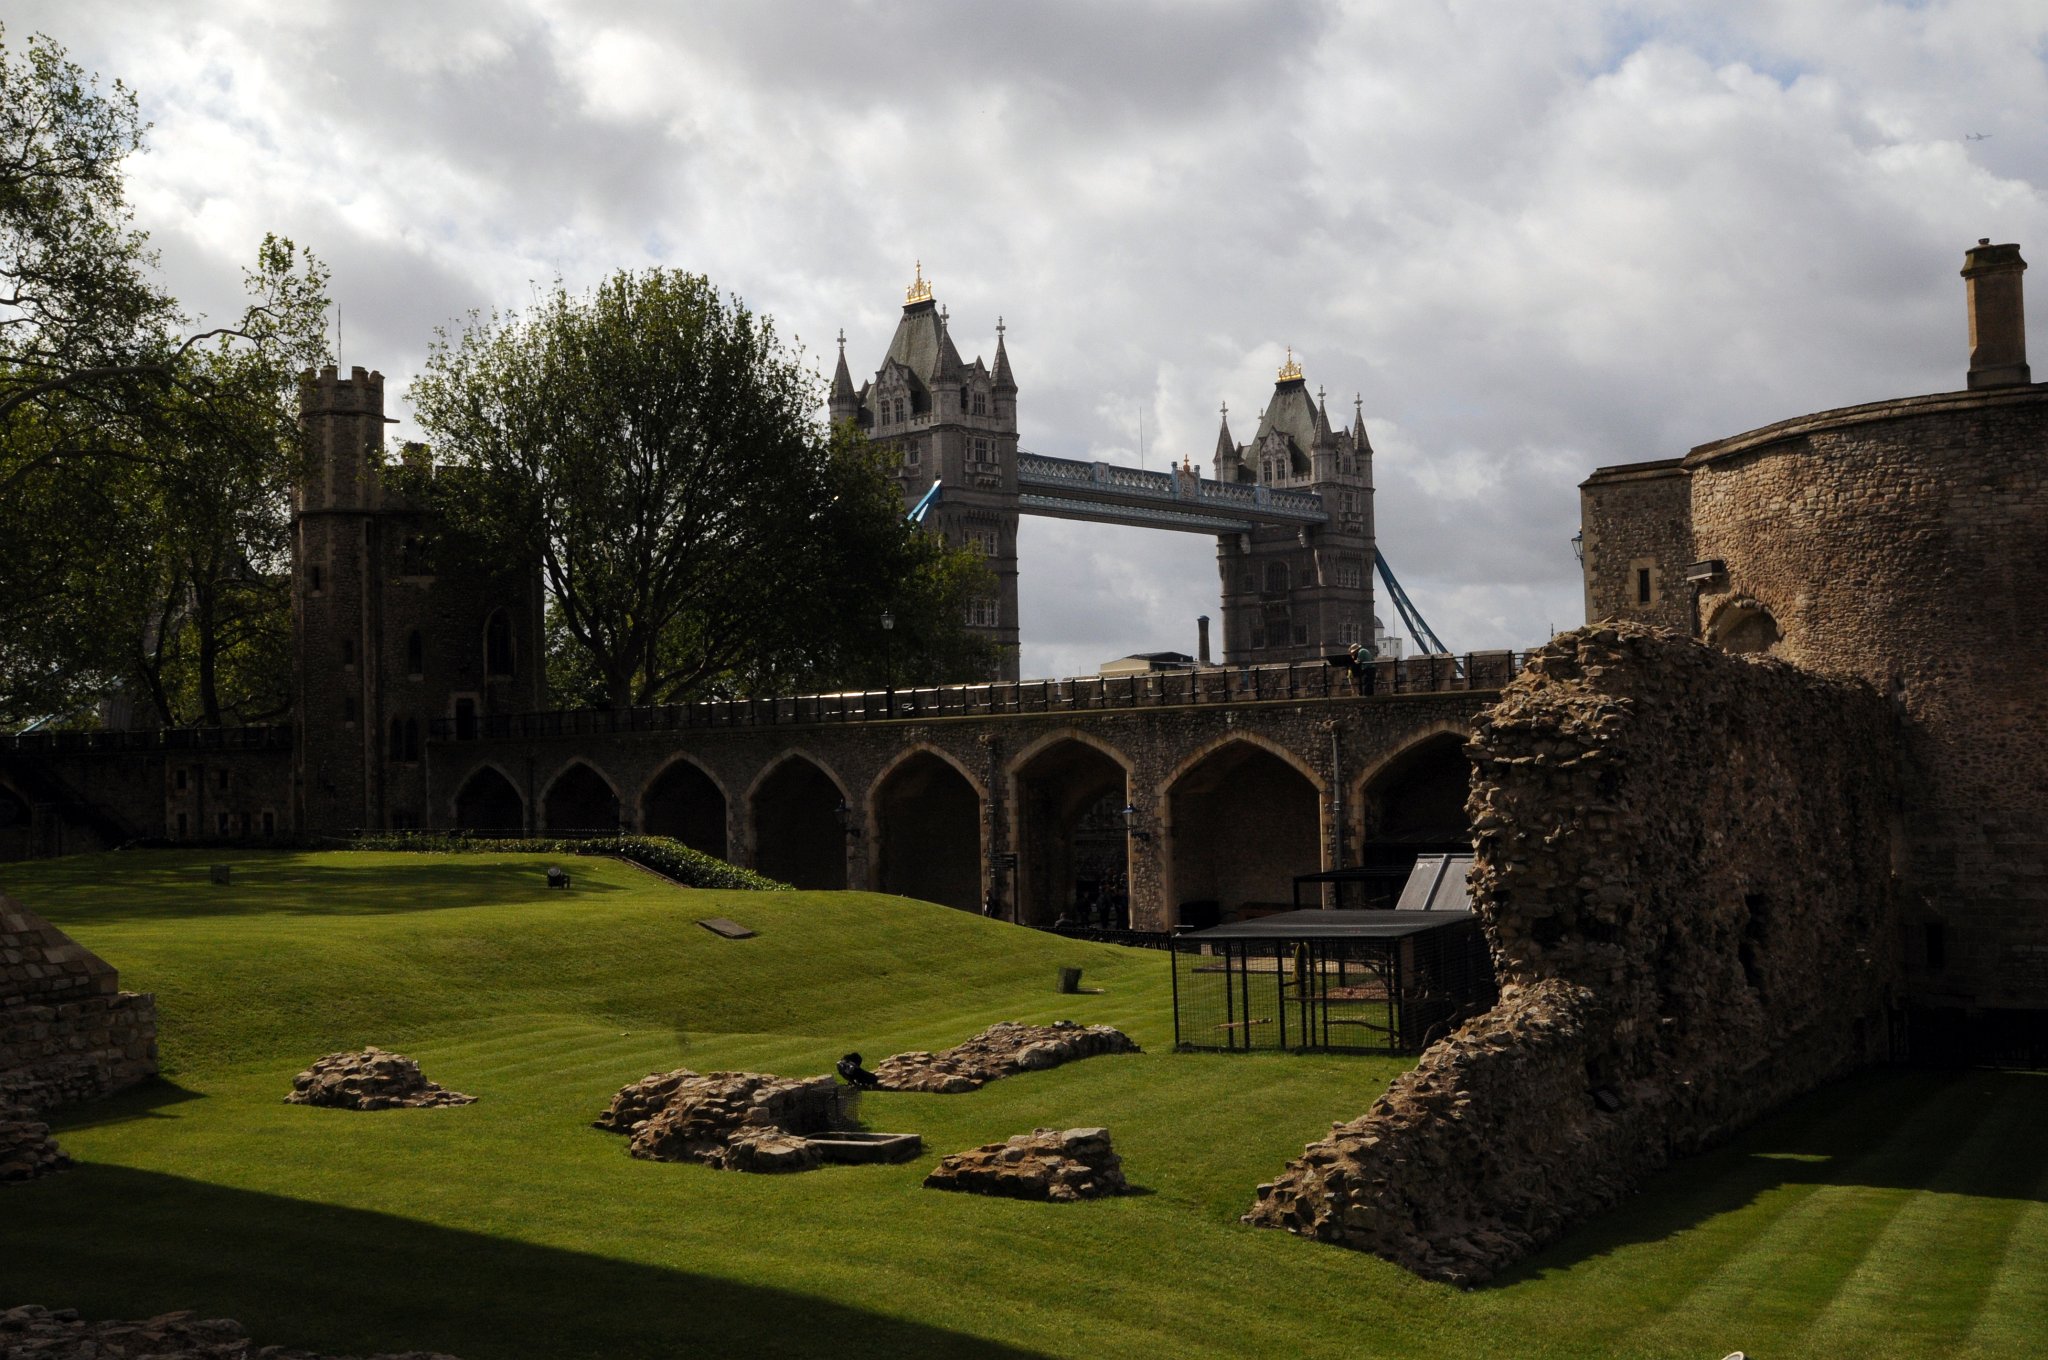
{"points": [[800, 826], [928, 833], [1073, 849], [684, 803], [579, 800], [1245, 822], [1413, 806], [488, 802]]}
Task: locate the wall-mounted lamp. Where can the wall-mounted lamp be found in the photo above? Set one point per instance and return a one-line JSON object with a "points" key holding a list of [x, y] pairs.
{"points": [[1579, 546], [845, 815], [1129, 812]]}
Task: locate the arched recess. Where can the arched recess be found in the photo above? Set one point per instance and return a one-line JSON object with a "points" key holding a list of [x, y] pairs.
{"points": [[1244, 819], [926, 817], [579, 799], [1743, 625], [488, 801], [797, 811], [1410, 804], [1073, 850], [683, 801]]}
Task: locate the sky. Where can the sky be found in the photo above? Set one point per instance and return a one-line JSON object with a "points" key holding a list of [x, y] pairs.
{"points": [[1533, 238]]}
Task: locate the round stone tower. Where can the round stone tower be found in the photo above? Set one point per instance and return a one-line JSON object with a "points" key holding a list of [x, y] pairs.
{"points": [[1906, 542]]}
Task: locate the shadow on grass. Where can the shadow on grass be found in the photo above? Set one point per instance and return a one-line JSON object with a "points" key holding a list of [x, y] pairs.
{"points": [[1890, 1129], [290, 887], [120, 1243], [137, 1102]]}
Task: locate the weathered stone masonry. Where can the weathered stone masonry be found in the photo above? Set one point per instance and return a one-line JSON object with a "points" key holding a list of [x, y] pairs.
{"points": [[1684, 933], [67, 1034]]}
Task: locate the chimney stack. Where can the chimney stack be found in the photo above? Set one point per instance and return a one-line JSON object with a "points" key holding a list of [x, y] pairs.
{"points": [[1202, 640], [1998, 323]]}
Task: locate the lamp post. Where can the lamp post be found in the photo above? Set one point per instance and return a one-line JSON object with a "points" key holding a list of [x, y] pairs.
{"points": [[889, 657]]}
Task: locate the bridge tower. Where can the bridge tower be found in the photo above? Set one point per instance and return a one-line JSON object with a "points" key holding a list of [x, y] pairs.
{"points": [[956, 422], [1295, 594]]}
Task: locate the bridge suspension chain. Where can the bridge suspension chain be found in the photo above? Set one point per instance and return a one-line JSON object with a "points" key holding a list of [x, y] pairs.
{"points": [[1418, 627]]}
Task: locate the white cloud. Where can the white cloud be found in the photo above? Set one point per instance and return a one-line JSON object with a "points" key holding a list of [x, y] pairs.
{"points": [[1537, 238]]}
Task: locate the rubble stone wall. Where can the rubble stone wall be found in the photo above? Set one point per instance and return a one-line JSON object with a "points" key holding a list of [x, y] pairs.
{"points": [[1684, 864], [67, 1031]]}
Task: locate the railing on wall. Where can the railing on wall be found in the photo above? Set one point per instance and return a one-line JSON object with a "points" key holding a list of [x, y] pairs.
{"points": [[1281, 683], [275, 738]]}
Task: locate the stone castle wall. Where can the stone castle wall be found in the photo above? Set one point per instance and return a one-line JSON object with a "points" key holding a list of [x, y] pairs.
{"points": [[1684, 936], [1637, 519], [67, 1031], [1906, 543]]}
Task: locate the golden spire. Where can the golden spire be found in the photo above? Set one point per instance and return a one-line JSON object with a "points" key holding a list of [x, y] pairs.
{"points": [[1290, 371], [920, 289]]}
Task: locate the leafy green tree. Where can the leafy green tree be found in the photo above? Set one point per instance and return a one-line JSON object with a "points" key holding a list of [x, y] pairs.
{"points": [[657, 448], [142, 461]]}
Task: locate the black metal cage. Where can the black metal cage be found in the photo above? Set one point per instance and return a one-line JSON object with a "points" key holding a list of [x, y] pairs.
{"points": [[1343, 981]]}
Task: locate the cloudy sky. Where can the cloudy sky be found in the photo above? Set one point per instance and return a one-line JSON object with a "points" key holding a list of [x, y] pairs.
{"points": [[1536, 237]]}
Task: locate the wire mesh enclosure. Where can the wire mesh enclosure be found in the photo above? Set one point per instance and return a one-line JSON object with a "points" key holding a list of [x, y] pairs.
{"points": [[1343, 981]]}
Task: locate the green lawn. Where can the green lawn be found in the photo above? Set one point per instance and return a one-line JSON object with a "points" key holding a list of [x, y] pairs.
{"points": [[1900, 1214]]}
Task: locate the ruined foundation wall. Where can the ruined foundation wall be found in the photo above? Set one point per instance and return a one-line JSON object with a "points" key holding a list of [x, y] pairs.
{"points": [[67, 1031], [1684, 864]]}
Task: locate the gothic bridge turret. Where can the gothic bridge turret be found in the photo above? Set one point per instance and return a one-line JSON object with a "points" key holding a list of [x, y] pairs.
{"points": [[1147, 800]]}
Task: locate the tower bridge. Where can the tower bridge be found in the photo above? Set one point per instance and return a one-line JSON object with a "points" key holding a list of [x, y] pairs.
{"points": [[1290, 509]]}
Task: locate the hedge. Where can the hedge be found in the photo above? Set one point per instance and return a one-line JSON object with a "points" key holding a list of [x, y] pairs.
{"points": [[671, 858]]}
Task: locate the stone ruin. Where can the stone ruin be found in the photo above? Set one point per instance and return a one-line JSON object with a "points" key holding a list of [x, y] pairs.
{"points": [[26, 1148], [735, 1121], [1045, 1164], [370, 1080], [1684, 937], [60, 1334], [68, 1033], [1002, 1050]]}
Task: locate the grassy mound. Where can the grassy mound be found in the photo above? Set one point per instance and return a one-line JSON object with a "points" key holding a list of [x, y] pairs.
{"points": [[1899, 1215]]}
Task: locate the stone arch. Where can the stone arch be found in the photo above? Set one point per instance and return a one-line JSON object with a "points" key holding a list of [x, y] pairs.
{"points": [[687, 802], [1411, 803], [1243, 817], [1067, 790], [1743, 625], [925, 814], [797, 814], [580, 797], [489, 800]]}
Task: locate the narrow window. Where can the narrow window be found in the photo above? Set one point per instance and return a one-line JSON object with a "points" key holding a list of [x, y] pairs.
{"points": [[465, 720], [313, 579], [178, 779], [1642, 585], [223, 780], [183, 823], [220, 824], [498, 645], [348, 651], [348, 709], [270, 823], [415, 654], [1276, 578]]}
